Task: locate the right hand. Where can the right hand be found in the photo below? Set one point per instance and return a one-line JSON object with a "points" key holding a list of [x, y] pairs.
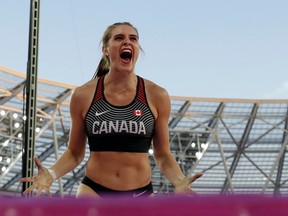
{"points": [[42, 181], [185, 185]]}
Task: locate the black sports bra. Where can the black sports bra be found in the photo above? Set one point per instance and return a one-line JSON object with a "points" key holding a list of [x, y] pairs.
{"points": [[126, 128]]}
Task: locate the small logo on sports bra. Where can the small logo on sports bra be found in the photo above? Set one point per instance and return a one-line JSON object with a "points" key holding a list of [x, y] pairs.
{"points": [[137, 112], [101, 113], [139, 194]]}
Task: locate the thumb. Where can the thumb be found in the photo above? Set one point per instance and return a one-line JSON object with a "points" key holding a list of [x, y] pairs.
{"points": [[38, 163], [195, 177]]}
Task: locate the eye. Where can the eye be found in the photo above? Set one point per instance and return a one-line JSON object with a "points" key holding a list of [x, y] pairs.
{"points": [[134, 38], [118, 37]]}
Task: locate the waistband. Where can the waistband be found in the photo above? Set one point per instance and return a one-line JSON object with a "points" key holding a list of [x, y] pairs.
{"points": [[103, 191]]}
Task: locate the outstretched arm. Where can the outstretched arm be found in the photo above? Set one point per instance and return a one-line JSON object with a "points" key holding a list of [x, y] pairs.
{"points": [[163, 156], [70, 159]]}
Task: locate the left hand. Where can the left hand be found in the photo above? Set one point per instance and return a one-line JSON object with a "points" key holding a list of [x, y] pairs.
{"points": [[184, 186], [42, 181]]}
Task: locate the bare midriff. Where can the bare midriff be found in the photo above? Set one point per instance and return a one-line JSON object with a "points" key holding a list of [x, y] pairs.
{"points": [[119, 170]]}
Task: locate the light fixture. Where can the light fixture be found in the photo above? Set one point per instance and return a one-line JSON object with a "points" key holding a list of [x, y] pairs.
{"points": [[8, 160], [2, 112], [204, 146], [6, 143], [199, 155], [37, 130], [17, 125]]}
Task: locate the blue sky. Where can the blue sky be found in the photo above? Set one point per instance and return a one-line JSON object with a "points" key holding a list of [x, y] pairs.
{"points": [[203, 48]]}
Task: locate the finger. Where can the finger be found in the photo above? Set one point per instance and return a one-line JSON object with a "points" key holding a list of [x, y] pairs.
{"points": [[28, 190], [27, 179], [38, 192], [193, 193], [195, 177], [38, 163], [48, 192]]}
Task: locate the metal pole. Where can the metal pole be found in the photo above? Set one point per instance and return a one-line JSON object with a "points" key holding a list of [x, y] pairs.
{"points": [[31, 96]]}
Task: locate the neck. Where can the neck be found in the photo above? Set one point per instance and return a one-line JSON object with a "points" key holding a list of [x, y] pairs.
{"points": [[120, 84]]}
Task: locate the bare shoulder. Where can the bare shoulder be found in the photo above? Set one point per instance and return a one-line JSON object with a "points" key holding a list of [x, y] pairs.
{"points": [[83, 95], [156, 92], [84, 90], [158, 98]]}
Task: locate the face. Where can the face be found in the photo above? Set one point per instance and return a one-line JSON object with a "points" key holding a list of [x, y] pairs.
{"points": [[123, 48]]}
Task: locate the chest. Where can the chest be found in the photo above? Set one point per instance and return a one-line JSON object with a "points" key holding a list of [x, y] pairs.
{"points": [[104, 118]]}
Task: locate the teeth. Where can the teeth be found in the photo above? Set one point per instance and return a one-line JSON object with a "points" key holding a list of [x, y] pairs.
{"points": [[126, 50]]}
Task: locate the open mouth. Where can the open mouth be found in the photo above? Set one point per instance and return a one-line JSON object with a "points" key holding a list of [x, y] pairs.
{"points": [[126, 55]]}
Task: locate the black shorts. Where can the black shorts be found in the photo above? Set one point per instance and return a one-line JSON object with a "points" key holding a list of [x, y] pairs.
{"points": [[107, 192]]}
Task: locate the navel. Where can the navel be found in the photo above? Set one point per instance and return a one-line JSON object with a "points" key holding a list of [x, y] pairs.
{"points": [[117, 174]]}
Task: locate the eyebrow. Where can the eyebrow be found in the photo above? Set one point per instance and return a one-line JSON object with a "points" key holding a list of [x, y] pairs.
{"points": [[133, 35]]}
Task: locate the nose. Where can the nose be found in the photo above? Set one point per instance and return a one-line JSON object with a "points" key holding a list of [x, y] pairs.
{"points": [[127, 43]]}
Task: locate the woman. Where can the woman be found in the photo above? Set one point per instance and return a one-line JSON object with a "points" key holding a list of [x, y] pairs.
{"points": [[121, 114]]}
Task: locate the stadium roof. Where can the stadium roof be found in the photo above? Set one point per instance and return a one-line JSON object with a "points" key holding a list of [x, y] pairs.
{"points": [[240, 145]]}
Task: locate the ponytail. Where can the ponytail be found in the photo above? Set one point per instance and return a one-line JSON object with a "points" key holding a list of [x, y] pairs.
{"points": [[103, 67]]}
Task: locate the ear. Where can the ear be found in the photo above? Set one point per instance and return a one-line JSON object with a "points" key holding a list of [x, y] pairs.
{"points": [[105, 51]]}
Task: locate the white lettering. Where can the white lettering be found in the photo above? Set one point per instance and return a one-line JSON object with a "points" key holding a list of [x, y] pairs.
{"points": [[106, 127], [124, 127], [113, 127], [94, 129], [141, 128], [133, 124], [103, 128]]}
